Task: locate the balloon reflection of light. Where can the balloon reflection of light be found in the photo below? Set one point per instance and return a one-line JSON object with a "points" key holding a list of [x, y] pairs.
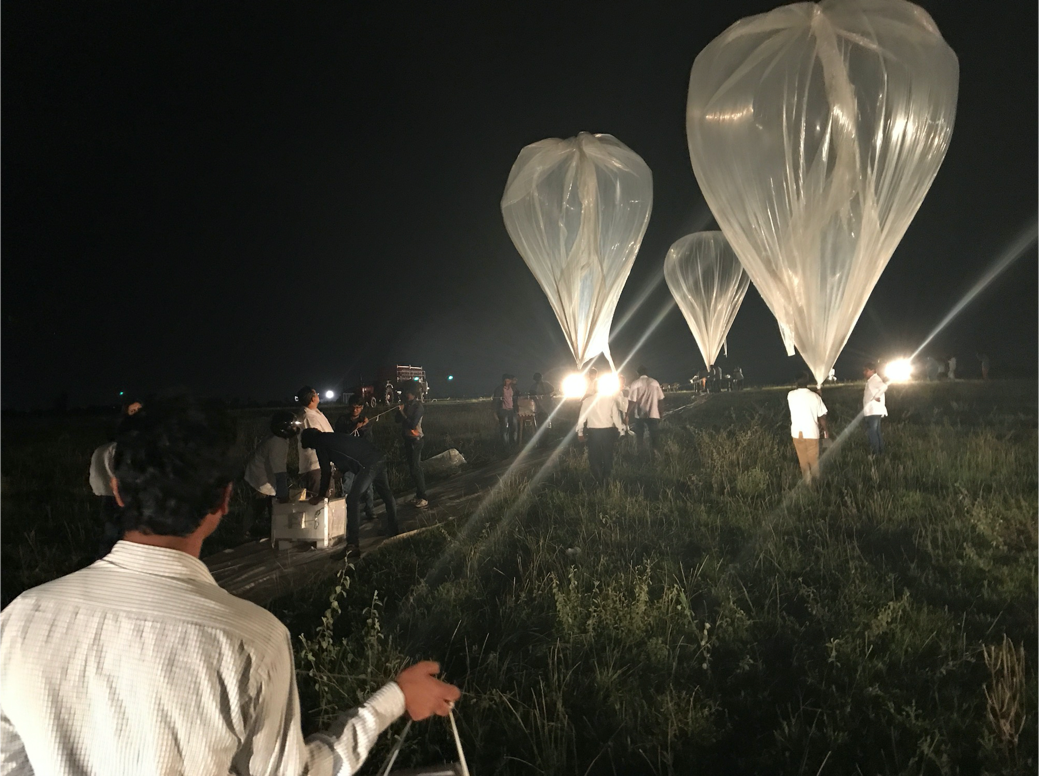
{"points": [[899, 370], [608, 384], [575, 386]]}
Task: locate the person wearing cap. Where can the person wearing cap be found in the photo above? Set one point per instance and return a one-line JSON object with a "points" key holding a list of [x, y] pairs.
{"points": [[312, 417], [506, 409], [353, 454], [141, 664], [409, 415], [266, 470]]}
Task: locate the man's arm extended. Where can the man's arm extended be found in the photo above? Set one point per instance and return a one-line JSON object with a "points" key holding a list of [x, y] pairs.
{"points": [[276, 745]]}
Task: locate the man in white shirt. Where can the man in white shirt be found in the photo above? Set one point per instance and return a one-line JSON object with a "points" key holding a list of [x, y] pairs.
{"points": [[807, 420], [309, 467], [874, 406], [141, 664], [599, 422], [266, 471], [644, 399]]}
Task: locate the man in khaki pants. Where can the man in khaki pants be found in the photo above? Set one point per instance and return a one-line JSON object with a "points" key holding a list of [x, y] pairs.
{"points": [[807, 419]]}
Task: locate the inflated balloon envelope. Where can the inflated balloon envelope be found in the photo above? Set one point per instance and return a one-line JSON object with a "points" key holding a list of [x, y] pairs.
{"points": [[577, 210], [708, 283], [815, 131]]}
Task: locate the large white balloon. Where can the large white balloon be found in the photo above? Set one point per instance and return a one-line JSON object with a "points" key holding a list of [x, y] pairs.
{"points": [[708, 283], [815, 131], [577, 210]]}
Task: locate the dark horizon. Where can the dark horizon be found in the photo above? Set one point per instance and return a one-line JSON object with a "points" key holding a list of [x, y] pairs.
{"points": [[241, 199]]}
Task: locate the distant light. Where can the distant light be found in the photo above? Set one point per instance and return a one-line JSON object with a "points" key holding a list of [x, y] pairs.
{"points": [[415, 379], [329, 394], [450, 377], [899, 370], [608, 384], [121, 393], [575, 386]]}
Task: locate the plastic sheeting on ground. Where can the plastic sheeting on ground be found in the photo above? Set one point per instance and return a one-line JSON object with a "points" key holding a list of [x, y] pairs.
{"points": [[815, 130], [577, 210]]}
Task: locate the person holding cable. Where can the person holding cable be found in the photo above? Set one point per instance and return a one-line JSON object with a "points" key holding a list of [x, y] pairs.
{"points": [[359, 456], [141, 663]]}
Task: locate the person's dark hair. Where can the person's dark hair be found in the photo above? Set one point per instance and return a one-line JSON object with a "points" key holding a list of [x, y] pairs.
{"points": [[356, 400], [284, 424], [537, 377], [309, 437], [412, 390], [172, 464], [642, 371], [804, 380], [870, 365], [304, 395], [507, 376]]}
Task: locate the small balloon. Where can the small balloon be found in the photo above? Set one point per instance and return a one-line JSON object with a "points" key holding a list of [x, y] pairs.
{"points": [[708, 283]]}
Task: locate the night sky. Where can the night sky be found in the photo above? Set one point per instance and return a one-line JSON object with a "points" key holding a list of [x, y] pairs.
{"points": [[241, 198]]}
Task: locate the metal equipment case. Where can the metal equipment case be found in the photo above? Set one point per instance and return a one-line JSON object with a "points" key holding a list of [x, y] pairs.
{"points": [[301, 521]]}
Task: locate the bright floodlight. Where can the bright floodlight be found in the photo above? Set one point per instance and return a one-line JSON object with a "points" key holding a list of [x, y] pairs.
{"points": [[329, 394], [899, 370], [575, 386], [608, 384]]}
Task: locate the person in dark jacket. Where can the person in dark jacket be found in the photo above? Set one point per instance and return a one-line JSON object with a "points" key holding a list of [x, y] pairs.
{"points": [[350, 453], [409, 416], [356, 423]]}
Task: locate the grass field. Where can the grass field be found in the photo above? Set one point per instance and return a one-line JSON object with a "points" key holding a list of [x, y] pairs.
{"points": [[703, 613]]}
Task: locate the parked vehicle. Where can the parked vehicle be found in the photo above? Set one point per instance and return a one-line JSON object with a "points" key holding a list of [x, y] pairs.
{"points": [[386, 387]]}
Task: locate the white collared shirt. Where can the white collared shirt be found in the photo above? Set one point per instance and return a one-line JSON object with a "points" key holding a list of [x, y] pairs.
{"points": [[806, 407], [599, 410], [140, 664], [312, 418], [101, 470], [874, 401], [646, 393], [269, 460]]}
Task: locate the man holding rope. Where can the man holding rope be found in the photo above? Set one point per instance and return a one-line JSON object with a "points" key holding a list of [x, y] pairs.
{"points": [[140, 663]]}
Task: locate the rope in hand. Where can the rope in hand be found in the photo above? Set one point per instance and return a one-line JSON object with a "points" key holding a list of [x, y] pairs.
{"points": [[384, 771]]}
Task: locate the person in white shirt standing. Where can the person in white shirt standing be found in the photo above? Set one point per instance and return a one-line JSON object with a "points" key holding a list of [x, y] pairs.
{"points": [[644, 399], [309, 467], [807, 422], [599, 422], [141, 664], [874, 406]]}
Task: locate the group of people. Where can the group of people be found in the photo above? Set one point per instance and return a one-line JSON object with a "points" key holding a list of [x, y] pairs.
{"points": [[714, 380], [605, 416], [809, 425], [345, 450], [141, 663]]}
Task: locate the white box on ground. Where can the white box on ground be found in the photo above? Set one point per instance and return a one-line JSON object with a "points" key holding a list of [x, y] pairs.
{"points": [[301, 521]]}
